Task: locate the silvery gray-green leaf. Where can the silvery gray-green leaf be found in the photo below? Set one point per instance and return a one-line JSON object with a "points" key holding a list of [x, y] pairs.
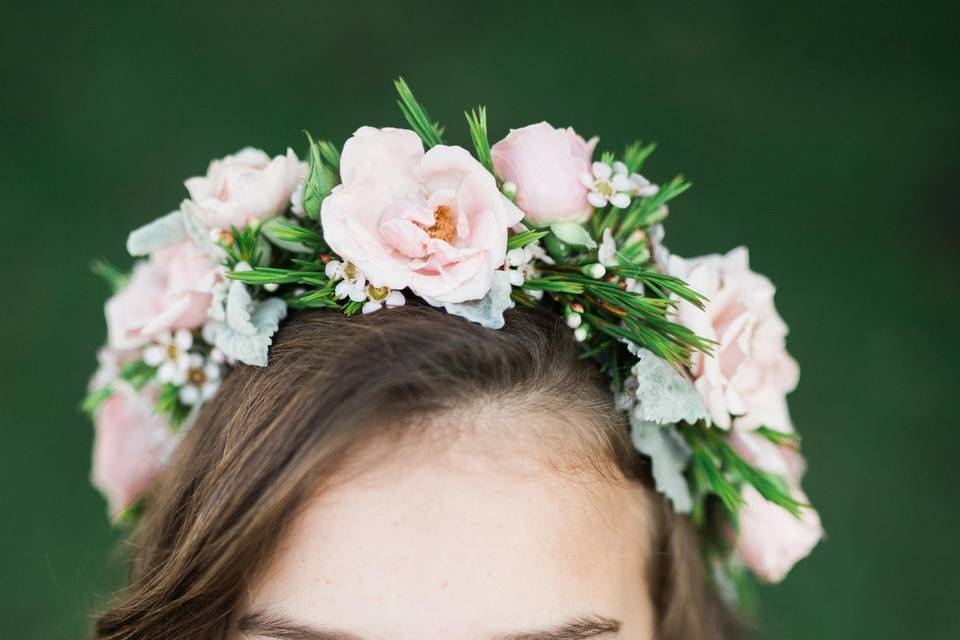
{"points": [[488, 311], [663, 395], [199, 232], [669, 455], [163, 232], [249, 348], [239, 309]]}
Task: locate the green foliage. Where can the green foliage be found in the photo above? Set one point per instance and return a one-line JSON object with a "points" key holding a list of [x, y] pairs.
{"points": [[137, 373], [114, 277], [320, 178], [330, 154], [244, 245], [522, 239], [718, 470], [779, 438], [274, 275], [288, 231], [477, 121], [417, 116], [636, 154], [662, 285], [645, 212], [94, 399], [168, 403]]}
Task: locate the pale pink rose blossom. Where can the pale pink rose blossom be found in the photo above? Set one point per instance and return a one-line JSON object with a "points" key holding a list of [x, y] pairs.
{"points": [[750, 372], [171, 290], [771, 540], [547, 165], [434, 222], [246, 186], [130, 444]]}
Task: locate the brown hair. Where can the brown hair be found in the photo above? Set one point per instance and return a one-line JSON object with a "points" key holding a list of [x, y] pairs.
{"points": [[251, 459]]}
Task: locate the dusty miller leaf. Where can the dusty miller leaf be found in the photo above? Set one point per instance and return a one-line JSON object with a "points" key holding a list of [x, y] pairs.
{"points": [[162, 232], [488, 311], [247, 330], [199, 232], [669, 455], [663, 395]]}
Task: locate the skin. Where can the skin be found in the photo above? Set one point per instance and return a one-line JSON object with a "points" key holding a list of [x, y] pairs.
{"points": [[423, 543]]}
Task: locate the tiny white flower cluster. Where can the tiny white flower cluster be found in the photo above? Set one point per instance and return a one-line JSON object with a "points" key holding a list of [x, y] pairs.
{"points": [[521, 266], [615, 185], [198, 377], [354, 285]]}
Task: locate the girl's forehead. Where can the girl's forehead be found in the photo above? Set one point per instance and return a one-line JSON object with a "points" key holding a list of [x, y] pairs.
{"points": [[481, 549]]}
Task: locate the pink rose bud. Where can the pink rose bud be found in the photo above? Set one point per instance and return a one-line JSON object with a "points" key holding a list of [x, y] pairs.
{"points": [[545, 165]]}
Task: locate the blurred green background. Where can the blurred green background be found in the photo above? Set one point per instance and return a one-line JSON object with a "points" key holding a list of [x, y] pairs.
{"points": [[822, 135]]}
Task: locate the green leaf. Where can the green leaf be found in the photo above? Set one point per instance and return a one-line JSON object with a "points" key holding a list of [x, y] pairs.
{"points": [[114, 277], [553, 283], [707, 472], [417, 116], [168, 403], [330, 153], [94, 399], [292, 237], [636, 154], [644, 212], [522, 239], [770, 486], [779, 438], [320, 181], [271, 275], [138, 373], [573, 233], [477, 121]]}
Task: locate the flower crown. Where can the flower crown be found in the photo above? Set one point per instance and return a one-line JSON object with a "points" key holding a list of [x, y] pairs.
{"points": [[694, 348]]}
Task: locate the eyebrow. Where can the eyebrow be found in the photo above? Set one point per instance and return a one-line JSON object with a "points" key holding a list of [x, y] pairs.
{"points": [[268, 625]]}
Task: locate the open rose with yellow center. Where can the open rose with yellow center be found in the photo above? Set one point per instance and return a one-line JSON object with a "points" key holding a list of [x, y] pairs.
{"points": [[432, 221]]}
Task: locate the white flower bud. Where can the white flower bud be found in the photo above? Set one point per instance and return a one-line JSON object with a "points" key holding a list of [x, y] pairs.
{"points": [[509, 189], [595, 270], [574, 320], [271, 287], [581, 333], [516, 257]]}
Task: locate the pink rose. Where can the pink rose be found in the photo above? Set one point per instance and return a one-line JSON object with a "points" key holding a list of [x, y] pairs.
{"points": [[245, 186], [750, 373], [129, 447], [546, 164], [771, 540], [172, 290], [434, 222]]}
